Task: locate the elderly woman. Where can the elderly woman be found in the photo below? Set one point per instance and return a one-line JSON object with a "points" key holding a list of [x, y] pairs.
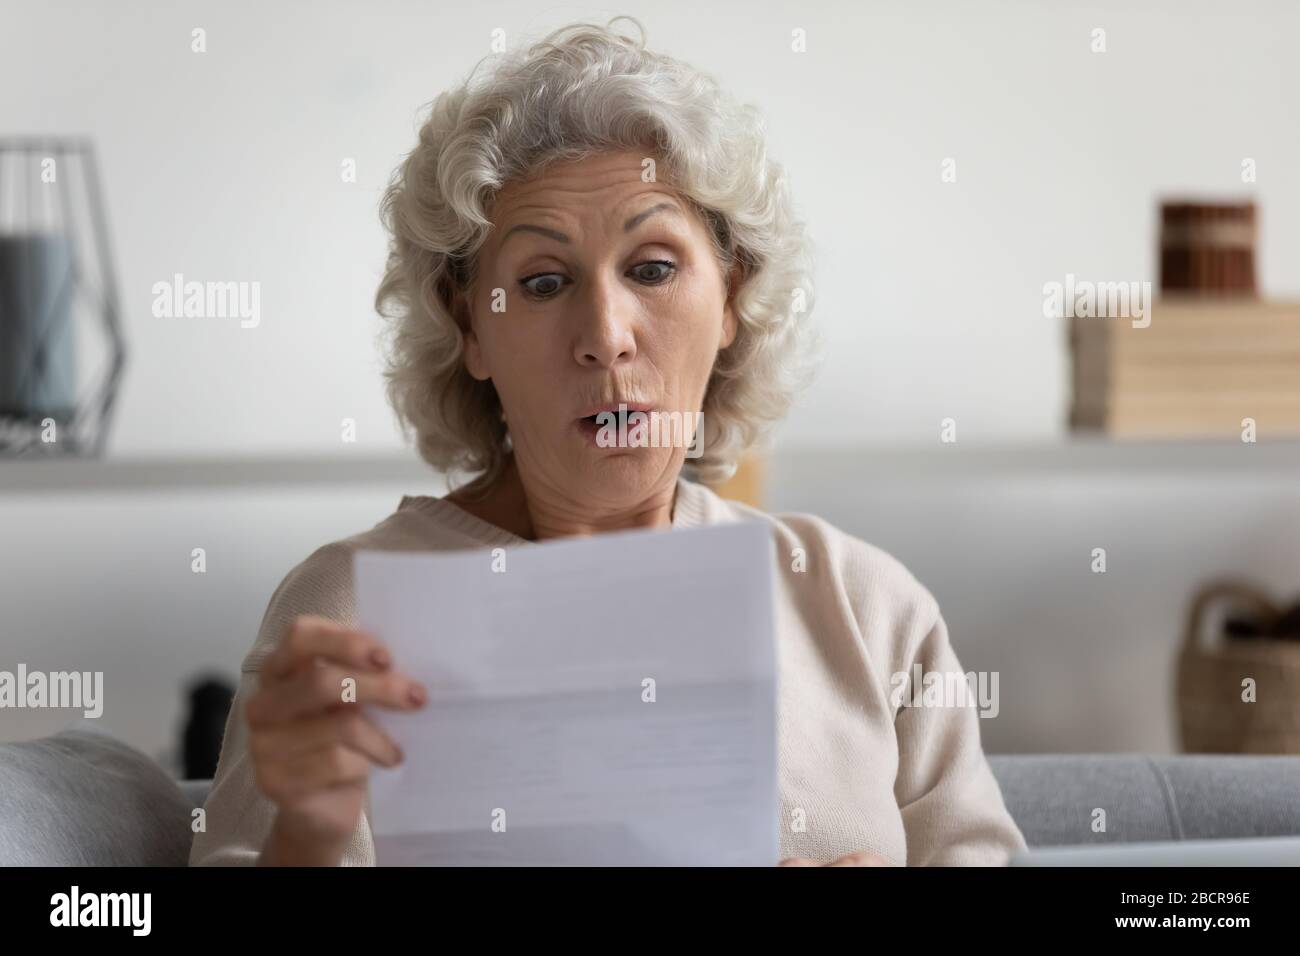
{"points": [[596, 225]]}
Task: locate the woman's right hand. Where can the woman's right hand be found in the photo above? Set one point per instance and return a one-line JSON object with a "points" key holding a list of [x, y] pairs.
{"points": [[310, 742]]}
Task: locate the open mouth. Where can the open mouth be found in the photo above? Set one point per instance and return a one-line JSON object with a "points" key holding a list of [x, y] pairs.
{"points": [[598, 425], [593, 430], [613, 413], [598, 420]]}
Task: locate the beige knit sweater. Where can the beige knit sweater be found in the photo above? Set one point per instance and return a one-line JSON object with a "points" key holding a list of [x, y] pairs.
{"points": [[857, 770]]}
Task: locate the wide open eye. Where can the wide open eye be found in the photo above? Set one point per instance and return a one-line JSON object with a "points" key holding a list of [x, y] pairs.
{"points": [[654, 271], [543, 285]]}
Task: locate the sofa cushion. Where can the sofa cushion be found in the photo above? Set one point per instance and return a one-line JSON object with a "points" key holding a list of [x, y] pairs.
{"points": [[84, 798], [1054, 797]]}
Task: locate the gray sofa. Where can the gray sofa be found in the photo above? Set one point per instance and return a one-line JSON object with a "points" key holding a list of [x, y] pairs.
{"points": [[85, 798]]}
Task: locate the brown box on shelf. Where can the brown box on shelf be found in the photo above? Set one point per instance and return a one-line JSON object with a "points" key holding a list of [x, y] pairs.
{"points": [[1207, 246]]}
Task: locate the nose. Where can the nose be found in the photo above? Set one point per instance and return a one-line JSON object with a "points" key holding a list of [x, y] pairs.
{"points": [[605, 335]]}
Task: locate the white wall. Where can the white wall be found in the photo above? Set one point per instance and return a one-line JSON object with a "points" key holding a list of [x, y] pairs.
{"points": [[225, 166]]}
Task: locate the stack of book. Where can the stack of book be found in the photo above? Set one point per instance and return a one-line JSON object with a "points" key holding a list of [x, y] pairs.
{"points": [[1200, 368]]}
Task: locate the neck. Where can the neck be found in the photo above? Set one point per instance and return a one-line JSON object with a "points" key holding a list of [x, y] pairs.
{"points": [[534, 512]]}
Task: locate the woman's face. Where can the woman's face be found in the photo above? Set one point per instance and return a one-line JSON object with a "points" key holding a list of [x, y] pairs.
{"points": [[595, 288]]}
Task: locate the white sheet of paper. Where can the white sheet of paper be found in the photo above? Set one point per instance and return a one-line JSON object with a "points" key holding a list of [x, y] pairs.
{"points": [[539, 744]]}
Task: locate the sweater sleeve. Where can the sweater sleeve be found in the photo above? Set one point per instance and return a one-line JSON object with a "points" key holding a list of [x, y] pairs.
{"points": [[238, 818], [951, 804]]}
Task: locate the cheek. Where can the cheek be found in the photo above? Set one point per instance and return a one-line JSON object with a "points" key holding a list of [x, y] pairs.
{"points": [[521, 360], [511, 338], [688, 325]]}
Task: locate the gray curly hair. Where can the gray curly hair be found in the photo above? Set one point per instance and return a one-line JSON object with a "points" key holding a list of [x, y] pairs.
{"points": [[580, 90]]}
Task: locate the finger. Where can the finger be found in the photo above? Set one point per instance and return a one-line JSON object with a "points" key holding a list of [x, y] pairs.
{"points": [[310, 636], [312, 772], [283, 742], [319, 690], [316, 690], [798, 861]]}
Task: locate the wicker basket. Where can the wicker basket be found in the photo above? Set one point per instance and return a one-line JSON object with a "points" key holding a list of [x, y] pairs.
{"points": [[1212, 716]]}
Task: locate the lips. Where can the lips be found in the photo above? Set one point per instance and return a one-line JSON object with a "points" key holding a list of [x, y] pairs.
{"points": [[628, 408], [592, 429]]}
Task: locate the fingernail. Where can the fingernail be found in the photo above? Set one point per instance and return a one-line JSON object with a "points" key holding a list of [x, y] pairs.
{"points": [[416, 695], [379, 657]]}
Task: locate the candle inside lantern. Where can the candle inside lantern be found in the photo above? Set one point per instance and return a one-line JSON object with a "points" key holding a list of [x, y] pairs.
{"points": [[37, 337]]}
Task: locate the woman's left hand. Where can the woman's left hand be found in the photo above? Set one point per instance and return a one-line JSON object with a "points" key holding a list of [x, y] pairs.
{"points": [[861, 858]]}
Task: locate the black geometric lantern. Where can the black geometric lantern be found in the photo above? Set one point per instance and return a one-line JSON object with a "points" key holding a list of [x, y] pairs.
{"points": [[61, 348]]}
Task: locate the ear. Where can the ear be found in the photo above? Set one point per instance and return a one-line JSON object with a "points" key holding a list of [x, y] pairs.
{"points": [[730, 321], [462, 313]]}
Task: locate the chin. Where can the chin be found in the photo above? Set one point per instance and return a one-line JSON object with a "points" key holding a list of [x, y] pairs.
{"points": [[626, 475]]}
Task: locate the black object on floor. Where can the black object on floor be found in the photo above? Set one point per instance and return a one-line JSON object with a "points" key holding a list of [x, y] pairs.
{"points": [[210, 700]]}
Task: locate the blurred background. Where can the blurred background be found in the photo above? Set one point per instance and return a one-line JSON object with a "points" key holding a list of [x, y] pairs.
{"points": [[1065, 489]]}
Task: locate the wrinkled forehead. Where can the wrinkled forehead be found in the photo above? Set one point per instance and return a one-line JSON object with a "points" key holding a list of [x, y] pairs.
{"points": [[601, 185]]}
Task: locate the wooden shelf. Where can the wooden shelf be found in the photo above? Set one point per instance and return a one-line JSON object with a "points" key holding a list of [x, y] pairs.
{"points": [[1073, 456], [40, 476]]}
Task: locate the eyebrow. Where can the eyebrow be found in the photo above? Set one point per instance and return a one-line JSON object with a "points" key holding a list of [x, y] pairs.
{"points": [[643, 216], [558, 236]]}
